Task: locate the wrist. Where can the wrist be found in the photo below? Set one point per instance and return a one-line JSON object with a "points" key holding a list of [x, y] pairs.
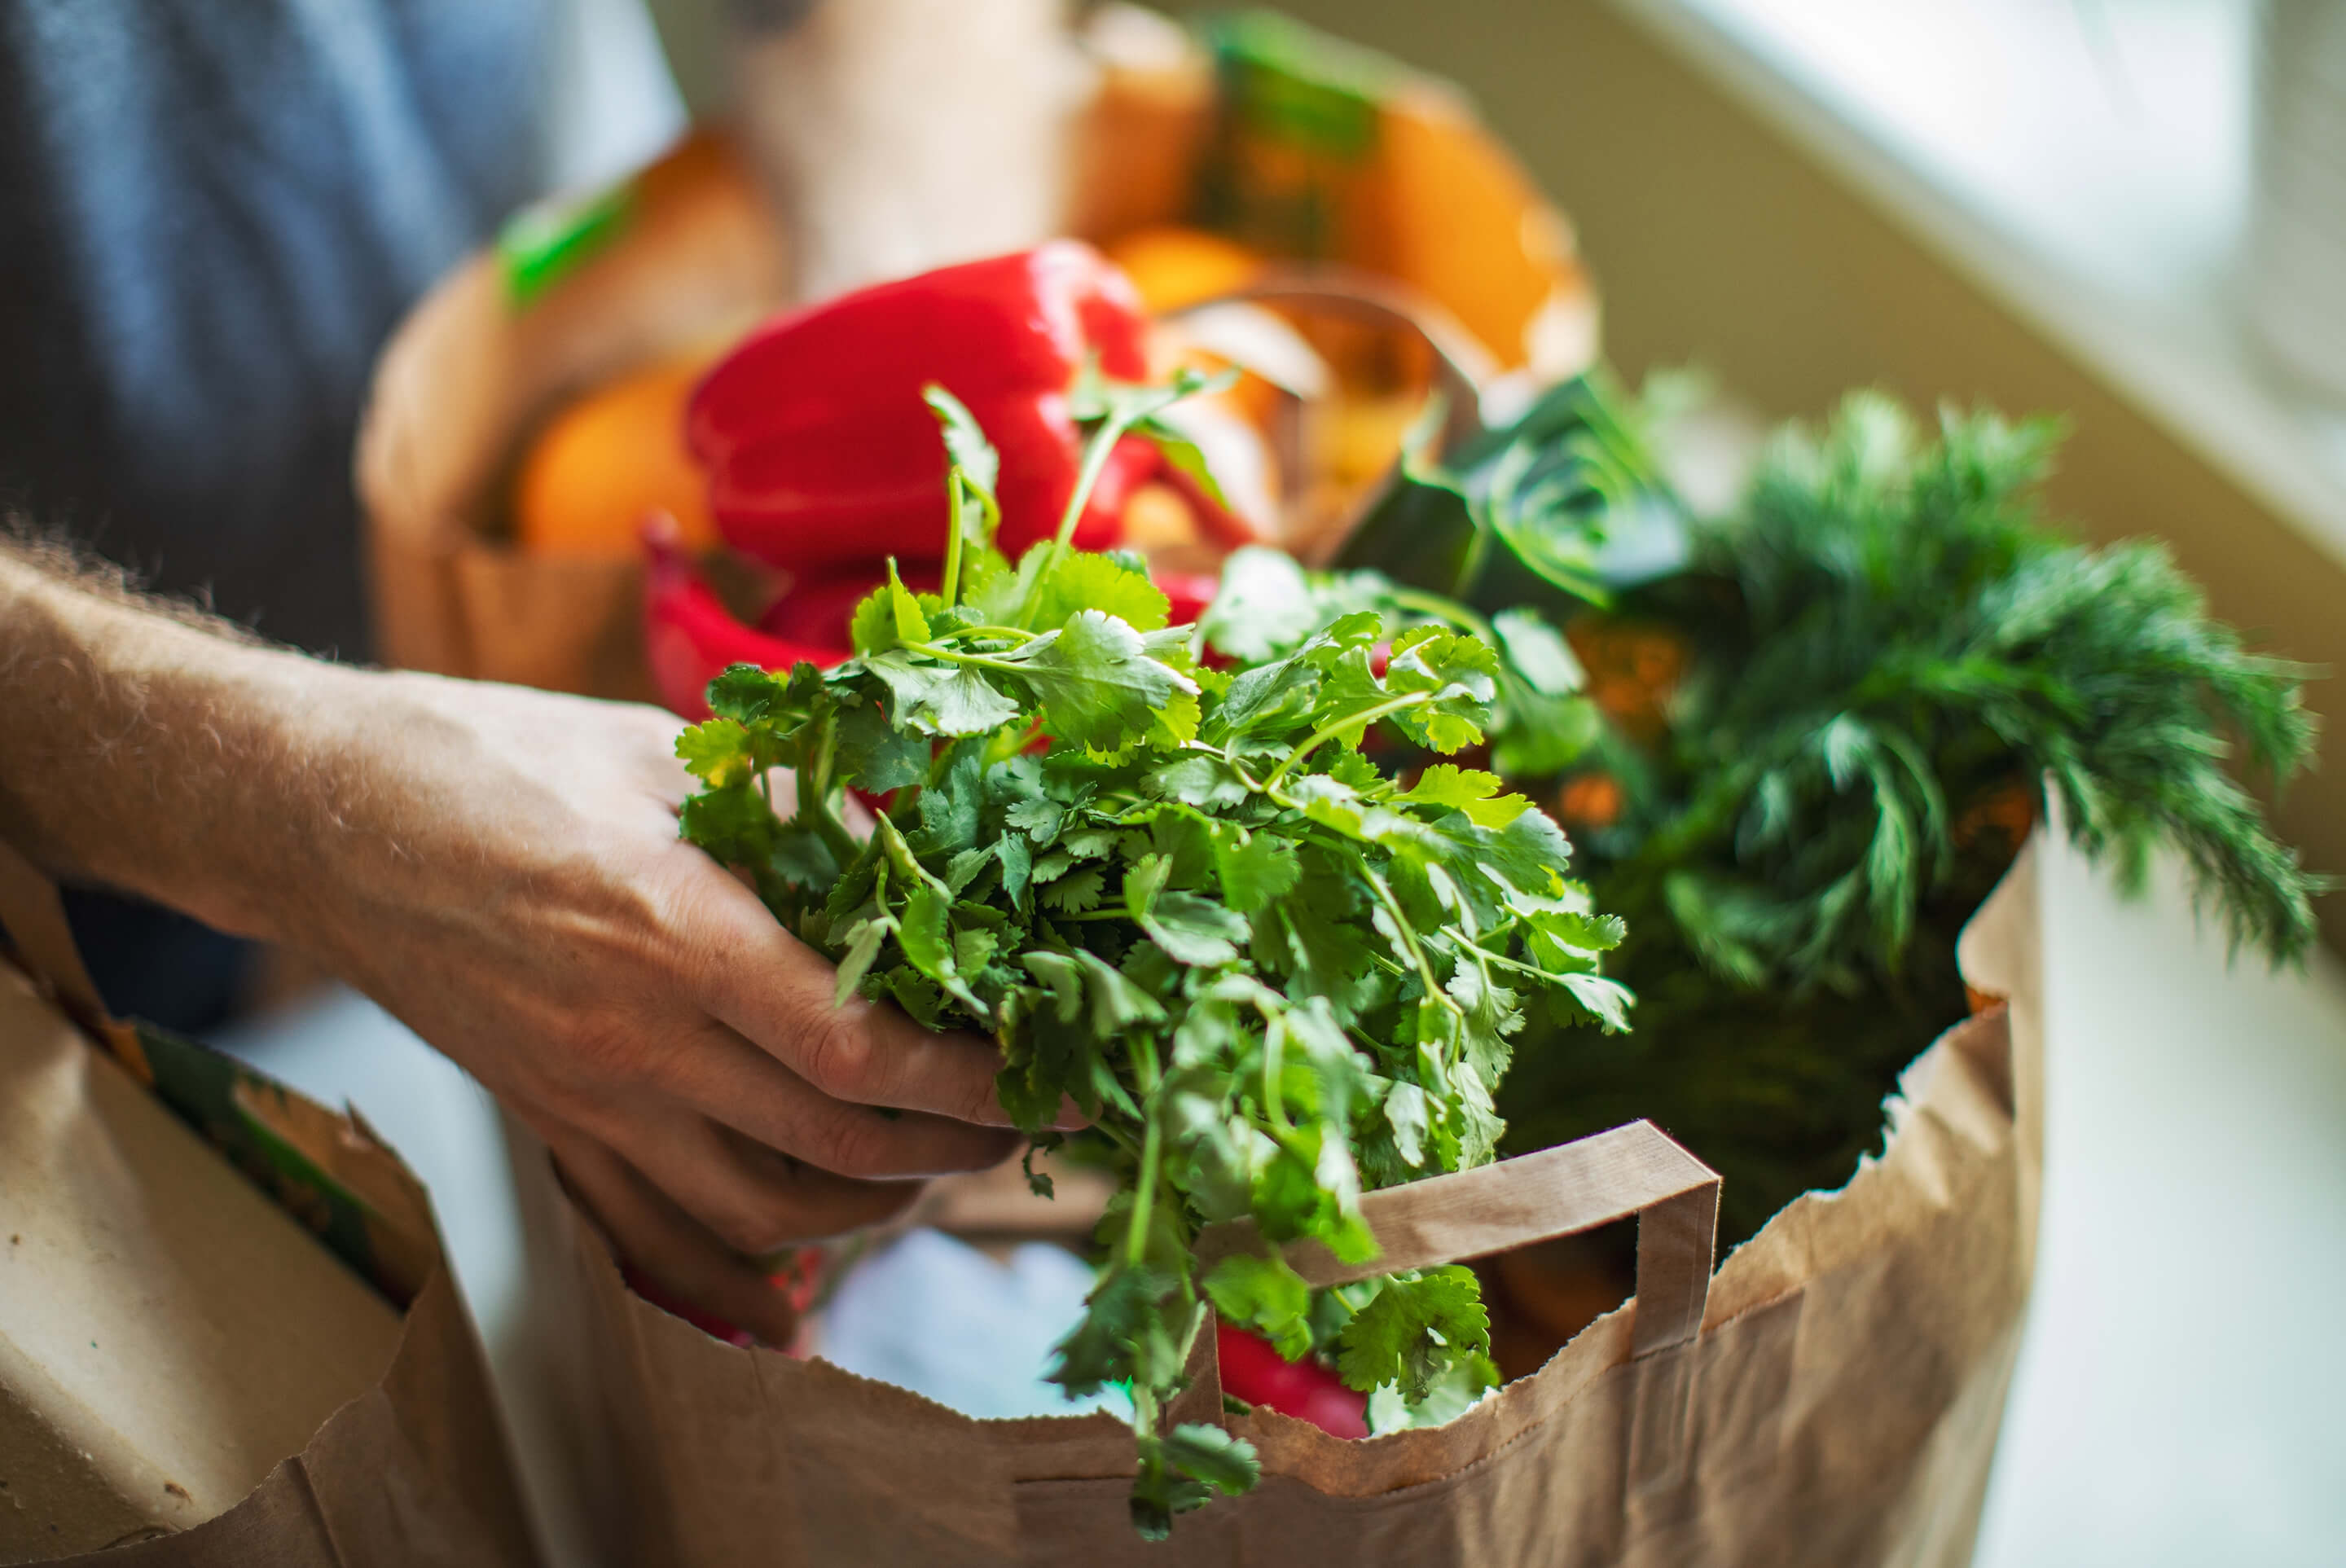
{"points": [[264, 848]]}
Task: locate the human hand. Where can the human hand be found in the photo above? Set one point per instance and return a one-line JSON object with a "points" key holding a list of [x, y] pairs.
{"points": [[503, 874]]}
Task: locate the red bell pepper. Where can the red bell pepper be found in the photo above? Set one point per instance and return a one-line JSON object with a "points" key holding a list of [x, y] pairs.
{"points": [[1253, 1371], [817, 611], [819, 450], [824, 460], [798, 1281], [690, 637], [1186, 594]]}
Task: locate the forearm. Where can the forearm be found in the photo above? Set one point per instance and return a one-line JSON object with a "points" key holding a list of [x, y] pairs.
{"points": [[155, 751]]}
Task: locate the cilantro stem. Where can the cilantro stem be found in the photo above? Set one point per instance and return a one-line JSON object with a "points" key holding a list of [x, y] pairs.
{"points": [[949, 583], [814, 797], [1135, 1236], [823, 754], [1409, 941], [1145, 1074], [1111, 430], [1117, 1136], [1120, 418], [1338, 725], [1434, 607], [1550, 976], [1274, 1067], [984, 661]]}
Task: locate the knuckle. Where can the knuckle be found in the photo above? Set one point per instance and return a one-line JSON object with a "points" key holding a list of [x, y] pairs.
{"points": [[656, 918], [835, 1056]]}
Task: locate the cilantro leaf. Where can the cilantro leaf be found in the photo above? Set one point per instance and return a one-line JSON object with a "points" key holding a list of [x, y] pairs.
{"points": [[1414, 1327], [1266, 606], [1460, 672], [1097, 688], [966, 447], [716, 752], [932, 698], [1262, 1293], [1117, 1315], [1213, 1456], [1082, 582], [1538, 652], [874, 755], [1254, 869]]}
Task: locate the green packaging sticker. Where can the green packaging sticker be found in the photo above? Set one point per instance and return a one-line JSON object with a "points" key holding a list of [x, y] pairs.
{"points": [[228, 1104], [1288, 83], [546, 241]]}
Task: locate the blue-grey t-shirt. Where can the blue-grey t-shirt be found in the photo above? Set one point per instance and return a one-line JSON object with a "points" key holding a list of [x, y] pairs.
{"points": [[212, 212]]}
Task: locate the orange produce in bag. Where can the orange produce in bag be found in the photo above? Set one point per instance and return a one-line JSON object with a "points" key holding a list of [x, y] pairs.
{"points": [[607, 461]]}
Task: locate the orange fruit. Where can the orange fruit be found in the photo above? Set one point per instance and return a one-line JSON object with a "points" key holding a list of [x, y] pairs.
{"points": [[603, 463], [1589, 801], [1173, 264]]}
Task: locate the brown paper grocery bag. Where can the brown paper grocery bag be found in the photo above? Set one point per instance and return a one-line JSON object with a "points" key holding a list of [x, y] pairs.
{"points": [[1830, 1396], [188, 1378]]}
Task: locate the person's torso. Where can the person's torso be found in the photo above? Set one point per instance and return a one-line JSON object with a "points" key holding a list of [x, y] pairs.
{"points": [[210, 216]]}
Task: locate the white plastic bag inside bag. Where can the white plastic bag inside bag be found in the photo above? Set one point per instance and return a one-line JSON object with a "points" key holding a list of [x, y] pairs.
{"points": [[937, 1315]]}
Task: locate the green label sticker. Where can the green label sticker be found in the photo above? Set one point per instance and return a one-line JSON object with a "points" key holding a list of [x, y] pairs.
{"points": [[219, 1097], [544, 242]]}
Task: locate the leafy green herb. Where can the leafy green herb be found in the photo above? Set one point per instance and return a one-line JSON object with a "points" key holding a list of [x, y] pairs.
{"points": [[1544, 721], [1271, 976], [1409, 1334]]}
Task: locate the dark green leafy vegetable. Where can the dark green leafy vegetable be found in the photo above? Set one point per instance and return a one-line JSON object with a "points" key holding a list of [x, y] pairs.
{"points": [[1520, 505], [1271, 976]]}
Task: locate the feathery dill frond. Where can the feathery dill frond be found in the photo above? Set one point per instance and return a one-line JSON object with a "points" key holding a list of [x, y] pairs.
{"points": [[1890, 633], [1892, 658]]}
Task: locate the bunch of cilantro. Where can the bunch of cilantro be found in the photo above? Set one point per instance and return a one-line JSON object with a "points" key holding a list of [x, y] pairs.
{"points": [[1176, 892]]}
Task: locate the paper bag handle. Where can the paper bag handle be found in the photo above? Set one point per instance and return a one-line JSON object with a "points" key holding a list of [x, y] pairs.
{"points": [[1636, 1169]]}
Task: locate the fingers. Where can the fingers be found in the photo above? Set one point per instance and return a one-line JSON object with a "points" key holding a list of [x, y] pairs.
{"points": [[781, 997], [733, 1083], [752, 1197], [779, 994], [679, 1255]]}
